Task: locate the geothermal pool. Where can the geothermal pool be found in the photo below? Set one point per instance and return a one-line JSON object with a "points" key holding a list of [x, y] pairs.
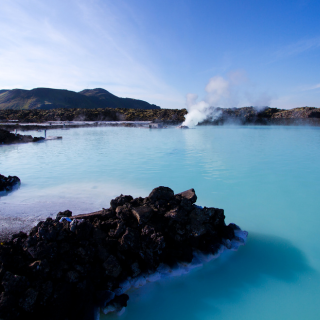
{"points": [[266, 179]]}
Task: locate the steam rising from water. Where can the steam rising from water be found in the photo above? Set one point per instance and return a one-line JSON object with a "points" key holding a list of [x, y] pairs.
{"points": [[217, 89], [220, 92]]}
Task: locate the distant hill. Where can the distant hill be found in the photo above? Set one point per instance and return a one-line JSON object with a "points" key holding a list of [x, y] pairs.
{"points": [[46, 99], [109, 100]]}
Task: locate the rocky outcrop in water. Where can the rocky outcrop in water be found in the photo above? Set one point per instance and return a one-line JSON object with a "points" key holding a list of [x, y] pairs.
{"points": [[7, 137], [8, 183], [70, 267], [263, 116]]}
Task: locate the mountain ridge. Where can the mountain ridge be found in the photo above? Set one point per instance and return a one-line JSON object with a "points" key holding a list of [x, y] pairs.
{"points": [[48, 98]]}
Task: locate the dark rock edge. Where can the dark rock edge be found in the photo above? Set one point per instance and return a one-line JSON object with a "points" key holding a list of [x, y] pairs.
{"points": [[9, 183], [67, 267], [7, 137]]}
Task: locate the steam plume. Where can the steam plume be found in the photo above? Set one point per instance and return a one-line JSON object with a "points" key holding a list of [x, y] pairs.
{"points": [[217, 89], [221, 92]]}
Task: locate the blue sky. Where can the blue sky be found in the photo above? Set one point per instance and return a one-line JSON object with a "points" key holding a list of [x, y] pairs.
{"points": [[249, 52]]}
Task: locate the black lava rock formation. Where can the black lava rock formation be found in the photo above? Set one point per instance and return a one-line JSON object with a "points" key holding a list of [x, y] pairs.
{"points": [[67, 267], [8, 183], [7, 137]]}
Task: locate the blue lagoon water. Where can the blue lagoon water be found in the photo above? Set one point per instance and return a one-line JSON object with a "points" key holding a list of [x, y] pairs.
{"points": [[266, 179]]}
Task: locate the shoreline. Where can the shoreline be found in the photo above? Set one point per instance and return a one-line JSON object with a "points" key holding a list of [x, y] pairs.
{"points": [[67, 125], [51, 125], [129, 117]]}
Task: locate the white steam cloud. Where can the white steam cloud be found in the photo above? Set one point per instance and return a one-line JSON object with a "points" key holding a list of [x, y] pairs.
{"points": [[220, 92], [217, 89]]}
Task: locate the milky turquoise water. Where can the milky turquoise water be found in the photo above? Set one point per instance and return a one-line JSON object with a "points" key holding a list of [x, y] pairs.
{"points": [[266, 179]]}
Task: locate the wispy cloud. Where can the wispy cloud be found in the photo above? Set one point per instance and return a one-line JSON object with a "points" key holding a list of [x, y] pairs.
{"points": [[317, 86], [75, 45], [298, 47], [307, 88]]}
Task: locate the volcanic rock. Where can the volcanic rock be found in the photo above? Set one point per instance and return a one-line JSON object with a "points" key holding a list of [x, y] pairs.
{"points": [[66, 213], [162, 194], [64, 270], [142, 214], [112, 266], [189, 195], [7, 137], [8, 183]]}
